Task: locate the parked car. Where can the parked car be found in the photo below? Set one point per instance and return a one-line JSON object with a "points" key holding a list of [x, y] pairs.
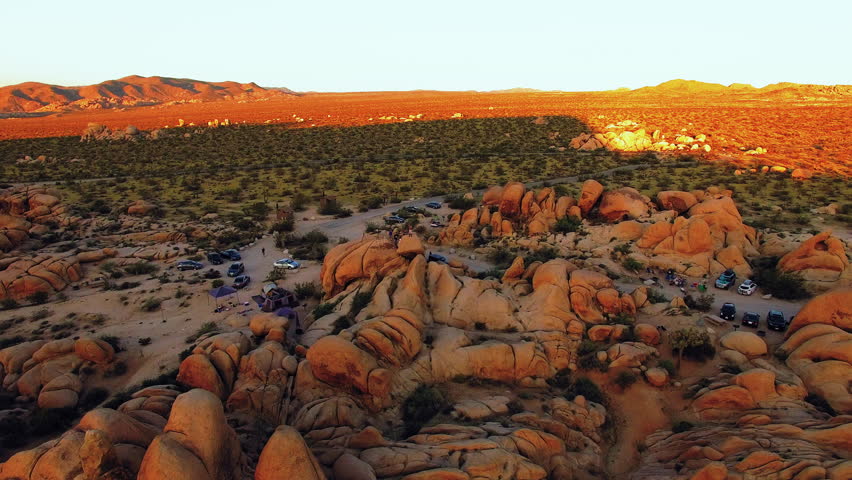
{"points": [[435, 205], [215, 258], [287, 263], [728, 312], [436, 224], [751, 319], [726, 280], [189, 265], [775, 321], [242, 281], [236, 268], [231, 254], [393, 219], [413, 209], [434, 257], [747, 288], [212, 273]]}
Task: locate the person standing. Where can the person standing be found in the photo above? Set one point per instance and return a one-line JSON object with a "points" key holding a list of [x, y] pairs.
{"points": [[263, 251]]}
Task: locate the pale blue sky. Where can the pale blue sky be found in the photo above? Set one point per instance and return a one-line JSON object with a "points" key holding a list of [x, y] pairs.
{"points": [[435, 44]]}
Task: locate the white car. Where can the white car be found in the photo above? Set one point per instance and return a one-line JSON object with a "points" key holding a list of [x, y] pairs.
{"points": [[287, 263], [747, 288]]}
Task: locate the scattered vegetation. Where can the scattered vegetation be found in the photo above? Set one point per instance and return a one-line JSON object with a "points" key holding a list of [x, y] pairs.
{"points": [[421, 406]]}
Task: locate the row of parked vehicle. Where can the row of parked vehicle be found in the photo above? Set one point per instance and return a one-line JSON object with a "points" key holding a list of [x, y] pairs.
{"points": [[774, 319], [407, 211], [728, 279]]}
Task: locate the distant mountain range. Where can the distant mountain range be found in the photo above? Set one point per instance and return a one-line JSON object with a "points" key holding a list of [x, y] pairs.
{"points": [[33, 98], [693, 87], [134, 90]]}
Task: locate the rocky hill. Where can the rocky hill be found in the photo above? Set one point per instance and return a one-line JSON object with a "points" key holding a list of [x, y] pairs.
{"points": [[681, 87], [128, 91]]}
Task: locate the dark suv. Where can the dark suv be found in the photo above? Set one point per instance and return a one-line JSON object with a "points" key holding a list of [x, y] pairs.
{"points": [[726, 280], [728, 312], [215, 258], [775, 321], [236, 269], [189, 265], [751, 319], [231, 254]]}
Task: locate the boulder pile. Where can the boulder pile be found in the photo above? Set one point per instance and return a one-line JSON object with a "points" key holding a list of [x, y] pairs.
{"points": [[820, 260], [626, 137], [21, 277], [97, 132], [27, 211]]}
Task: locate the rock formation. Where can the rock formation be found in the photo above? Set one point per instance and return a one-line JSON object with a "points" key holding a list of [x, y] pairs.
{"points": [[822, 259]]}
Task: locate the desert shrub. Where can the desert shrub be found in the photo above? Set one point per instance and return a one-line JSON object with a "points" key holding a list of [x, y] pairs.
{"points": [[47, 421], [541, 255], [625, 379], [586, 387], [150, 305], [458, 202], [113, 341], [421, 406], [308, 290], [116, 369], [501, 256], [8, 304], [38, 298], [218, 282], [92, 398], [11, 341], [682, 426], [285, 225], [492, 272], [587, 346], [361, 300], [141, 268], [479, 326], [784, 285], [693, 343], [144, 341], [342, 323], [41, 314], [656, 296], [820, 404], [632, 264], [703, 303], [568, 224], [590, 361], [323, 309], [370, 203], [515, 406], [667, 365]]}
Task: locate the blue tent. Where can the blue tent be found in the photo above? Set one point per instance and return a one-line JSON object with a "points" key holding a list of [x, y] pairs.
{"points": [[222, 291]]}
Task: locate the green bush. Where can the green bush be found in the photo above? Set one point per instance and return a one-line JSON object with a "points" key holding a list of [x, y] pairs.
{"points": [[458, 202], [682, 426], [323, 309], [786, 286], [421, 406], [568, 224], [38, 298], [204, 329], [704, 302], [150, 305], [8, 304], [625, 379], [361, 300], [667, 365], [305, 290], [588, 388], [693, 343], [656, 296], [587, 346], [218, 283], [144, 341], [113, 341], [632, 264], [141, 268]]}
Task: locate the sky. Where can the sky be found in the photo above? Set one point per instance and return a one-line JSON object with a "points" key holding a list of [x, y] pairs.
{"points": [[366, 45]]}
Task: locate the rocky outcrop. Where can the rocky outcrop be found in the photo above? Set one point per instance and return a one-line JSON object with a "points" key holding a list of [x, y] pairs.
{"points": [[47, 371], [30, 211], [352, 261], [626, 136], [196, 443], [822, 259], [286, 456]]}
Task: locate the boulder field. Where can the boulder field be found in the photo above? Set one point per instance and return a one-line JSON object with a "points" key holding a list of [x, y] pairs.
{"points": [[694, 233], [254, 403]]}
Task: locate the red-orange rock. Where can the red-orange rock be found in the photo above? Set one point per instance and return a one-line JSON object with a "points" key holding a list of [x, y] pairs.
{"points": [[677, 201], [623, 203], [510, 202], [589, 195]]}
